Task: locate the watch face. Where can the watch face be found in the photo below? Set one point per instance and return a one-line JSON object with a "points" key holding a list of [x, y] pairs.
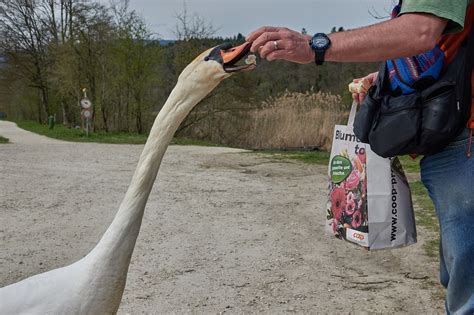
{"points": [[320, 41]]}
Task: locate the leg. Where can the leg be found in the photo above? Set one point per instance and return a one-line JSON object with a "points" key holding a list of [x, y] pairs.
{"points": [[449, 178]]}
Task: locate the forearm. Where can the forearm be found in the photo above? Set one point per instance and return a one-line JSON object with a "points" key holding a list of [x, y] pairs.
{"points": [[405, 36]]}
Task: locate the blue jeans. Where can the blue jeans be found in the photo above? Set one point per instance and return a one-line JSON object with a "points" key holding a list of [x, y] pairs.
{"points": [[449, 178]]}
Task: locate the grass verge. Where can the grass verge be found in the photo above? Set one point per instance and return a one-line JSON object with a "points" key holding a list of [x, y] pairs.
{"points": [[322, 158], [3, 140], [78, 135], [308, 157], [187, 141]]}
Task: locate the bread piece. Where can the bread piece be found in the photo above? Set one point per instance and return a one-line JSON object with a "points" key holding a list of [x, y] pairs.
{"points": [[251, 59], [360, 87]]}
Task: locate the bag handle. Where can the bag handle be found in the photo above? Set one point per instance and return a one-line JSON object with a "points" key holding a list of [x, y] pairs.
{"points": [[356, 87], [352, 114]]}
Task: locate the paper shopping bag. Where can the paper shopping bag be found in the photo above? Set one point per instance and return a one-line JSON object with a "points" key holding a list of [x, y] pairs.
{"points": [[369, 200]]}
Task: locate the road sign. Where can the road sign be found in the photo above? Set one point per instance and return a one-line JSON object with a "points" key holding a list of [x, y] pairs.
{"points": [[86, 113], [86, 103]]}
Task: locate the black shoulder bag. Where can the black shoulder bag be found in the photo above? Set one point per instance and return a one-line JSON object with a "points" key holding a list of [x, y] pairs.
{"points": [[423, 122]]}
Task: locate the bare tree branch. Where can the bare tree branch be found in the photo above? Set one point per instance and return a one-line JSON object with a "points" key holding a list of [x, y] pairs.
{"points": [[192, 27]]}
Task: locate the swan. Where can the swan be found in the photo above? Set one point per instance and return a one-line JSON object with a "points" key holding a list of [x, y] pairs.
{"points": [[95, 283]]}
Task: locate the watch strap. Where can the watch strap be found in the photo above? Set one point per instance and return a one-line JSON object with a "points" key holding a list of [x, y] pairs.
{"points": [[319, 56]]}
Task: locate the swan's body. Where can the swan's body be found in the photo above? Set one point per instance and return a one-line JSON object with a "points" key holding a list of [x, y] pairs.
{"points": [[95, 284]]}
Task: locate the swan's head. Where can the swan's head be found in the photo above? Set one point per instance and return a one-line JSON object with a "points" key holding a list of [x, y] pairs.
{"points": [[229, 57], [216, 64]]}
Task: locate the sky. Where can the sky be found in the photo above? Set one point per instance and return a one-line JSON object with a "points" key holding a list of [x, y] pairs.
{"points": [[244, 16]]}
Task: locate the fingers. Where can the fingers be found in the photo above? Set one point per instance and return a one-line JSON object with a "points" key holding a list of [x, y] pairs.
{"points": [[372, 77], [369, 80], [277, 54], [270, 48], [355, 97], [358, 97], [255, 34], [264, 40], [291, 45]]}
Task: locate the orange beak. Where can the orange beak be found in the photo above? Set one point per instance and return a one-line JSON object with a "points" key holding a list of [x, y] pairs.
{"points": [[229, 56], [235, 53]]}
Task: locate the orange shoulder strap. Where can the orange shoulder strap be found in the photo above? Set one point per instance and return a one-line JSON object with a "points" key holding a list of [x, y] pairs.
{"points": [[470, 124], [469, 25], [450, 44]]}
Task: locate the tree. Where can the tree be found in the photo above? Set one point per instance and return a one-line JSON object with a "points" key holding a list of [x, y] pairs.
{"points": [[338, 29], [25, 38], [52, 49], [192, 27], [137, 54]]}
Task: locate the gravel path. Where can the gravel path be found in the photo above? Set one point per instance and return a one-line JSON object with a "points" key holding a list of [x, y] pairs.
{"points": [[224, 231]]}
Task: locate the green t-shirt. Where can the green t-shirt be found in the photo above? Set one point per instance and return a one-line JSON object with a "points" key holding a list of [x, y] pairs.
{"points": [[452, 10]]}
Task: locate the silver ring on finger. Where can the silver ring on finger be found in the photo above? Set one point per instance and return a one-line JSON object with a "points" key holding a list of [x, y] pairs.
{"points": [[275, 45]]}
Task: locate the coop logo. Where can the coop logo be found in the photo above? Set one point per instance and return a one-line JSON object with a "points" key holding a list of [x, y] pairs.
{"points": [[357, 237]]}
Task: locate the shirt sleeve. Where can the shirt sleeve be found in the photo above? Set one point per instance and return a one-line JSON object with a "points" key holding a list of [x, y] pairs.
{"points": [[452, 10]]}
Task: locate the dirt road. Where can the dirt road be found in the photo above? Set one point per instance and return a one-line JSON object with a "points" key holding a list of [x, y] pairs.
{"points": [[224, 231]]}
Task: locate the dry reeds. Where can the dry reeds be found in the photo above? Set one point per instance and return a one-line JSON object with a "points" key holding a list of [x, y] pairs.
{"points": [[291, 120], [297, 120]]}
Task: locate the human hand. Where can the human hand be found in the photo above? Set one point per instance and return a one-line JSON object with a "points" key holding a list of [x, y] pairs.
{"points": [[367, 82], [275, 43]]}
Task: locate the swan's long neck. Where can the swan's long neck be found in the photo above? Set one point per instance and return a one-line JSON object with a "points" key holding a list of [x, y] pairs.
{"points": [[114, 250]]}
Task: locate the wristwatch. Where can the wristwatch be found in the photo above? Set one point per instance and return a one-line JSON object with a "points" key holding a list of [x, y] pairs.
{"points": [[320, 43]]}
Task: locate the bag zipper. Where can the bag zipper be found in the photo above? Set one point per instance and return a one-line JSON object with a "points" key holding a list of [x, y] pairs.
{"points": [[433, 88], [417, 106]]}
